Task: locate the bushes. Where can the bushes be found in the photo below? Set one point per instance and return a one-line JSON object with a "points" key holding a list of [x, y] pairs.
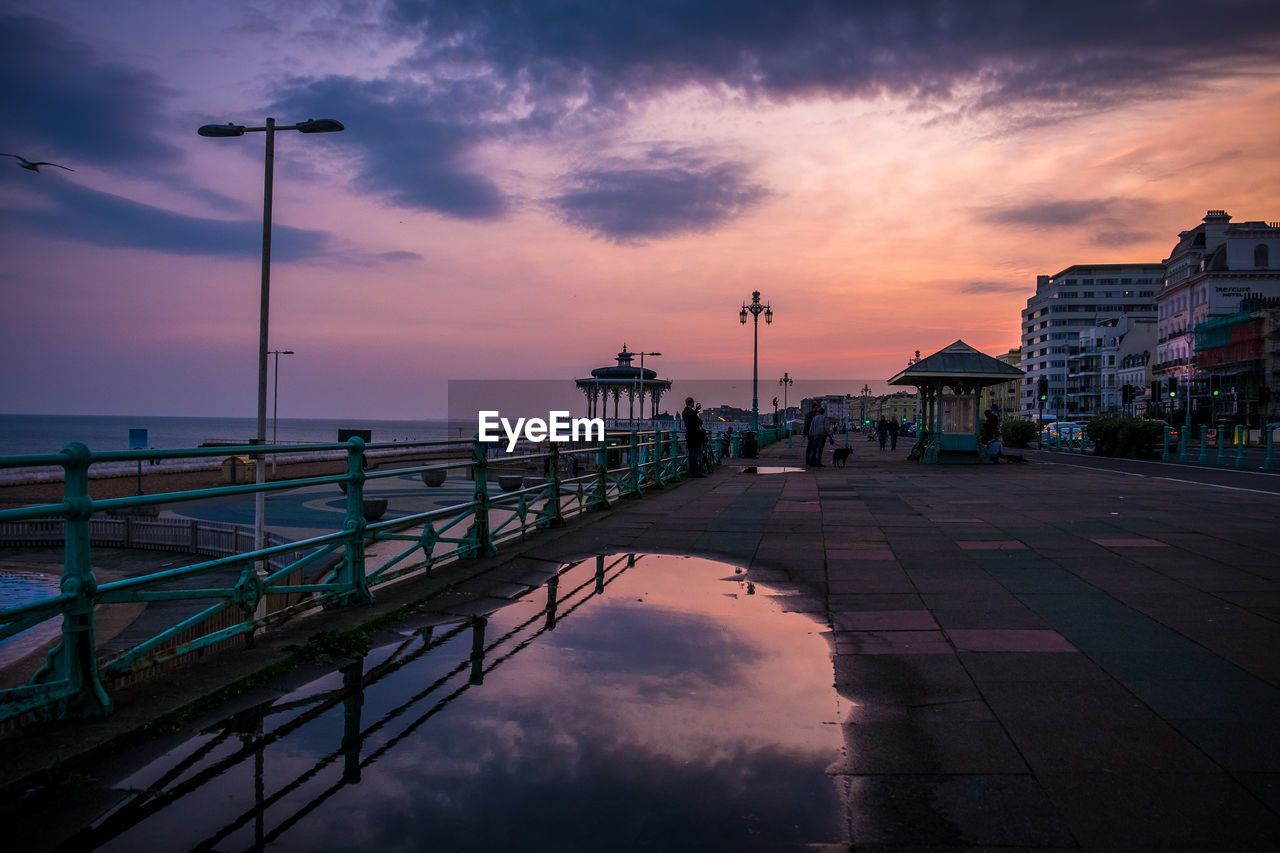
{"points": [[1135, 438], [1017, 433]]}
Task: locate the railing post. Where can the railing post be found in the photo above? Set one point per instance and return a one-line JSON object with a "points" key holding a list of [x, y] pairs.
{"points": [[74, 659], [481, 542], [552, 514], [1240, 463], [600, 498], [635, 464], [659, 458], [351, 574]]}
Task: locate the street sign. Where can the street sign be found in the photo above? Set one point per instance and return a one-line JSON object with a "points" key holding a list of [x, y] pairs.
{"points": [[137, 439]]}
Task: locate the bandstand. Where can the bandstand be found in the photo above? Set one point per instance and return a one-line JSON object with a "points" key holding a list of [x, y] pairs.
{"points": [[950, 382], [623, 380]]}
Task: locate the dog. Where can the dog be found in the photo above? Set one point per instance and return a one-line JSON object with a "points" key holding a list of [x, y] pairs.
{"points": [[839, 456]]}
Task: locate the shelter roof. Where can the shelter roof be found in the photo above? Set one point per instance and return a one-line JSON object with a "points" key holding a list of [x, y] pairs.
{"points": [[960, 362]]}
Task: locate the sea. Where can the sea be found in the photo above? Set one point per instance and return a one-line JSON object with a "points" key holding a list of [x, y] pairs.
{"points": [[22, 435]]}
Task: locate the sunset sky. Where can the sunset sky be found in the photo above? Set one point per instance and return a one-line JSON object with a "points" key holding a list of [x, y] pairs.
{"points": [[522, 187]]}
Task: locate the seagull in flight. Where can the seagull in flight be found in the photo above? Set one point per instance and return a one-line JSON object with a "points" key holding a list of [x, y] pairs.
{"points": [[35, 167]]}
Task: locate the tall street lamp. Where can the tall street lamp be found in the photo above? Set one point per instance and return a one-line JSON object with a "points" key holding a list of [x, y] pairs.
{"points": [[756, 308], [217, 131], [641, 380], [275, 401]]}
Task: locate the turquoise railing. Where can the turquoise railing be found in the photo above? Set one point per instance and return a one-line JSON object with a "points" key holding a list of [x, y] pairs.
{"points": [[243, 593]]}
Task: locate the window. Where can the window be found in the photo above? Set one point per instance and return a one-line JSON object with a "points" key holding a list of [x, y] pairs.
{"points": [[1261, 256]]}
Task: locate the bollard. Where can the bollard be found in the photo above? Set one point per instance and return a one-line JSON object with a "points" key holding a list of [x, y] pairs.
{"points": [[1164, 445], [1204, 445], [1269, 464], [1222, 445], [1240, 463]]}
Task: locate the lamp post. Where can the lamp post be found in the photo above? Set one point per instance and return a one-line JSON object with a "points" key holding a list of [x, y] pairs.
{"points": [[218, 131], [641, 380], [866, 394], [756, 308], [275, 400], [786, 382]]}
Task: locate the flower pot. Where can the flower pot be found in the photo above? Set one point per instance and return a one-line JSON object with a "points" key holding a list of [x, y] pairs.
{"points": [[510, 482], [435, 477]]}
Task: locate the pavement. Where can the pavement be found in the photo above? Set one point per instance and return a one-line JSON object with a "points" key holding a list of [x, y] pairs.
{"points": [[1056, 655]]}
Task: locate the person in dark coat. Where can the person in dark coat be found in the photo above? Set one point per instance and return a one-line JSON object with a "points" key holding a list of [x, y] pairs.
{"points": [[894, 429], [694, 435], [882, 432]]}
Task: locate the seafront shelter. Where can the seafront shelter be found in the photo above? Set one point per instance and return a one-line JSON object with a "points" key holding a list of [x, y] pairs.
{"points": [[950, 382]]}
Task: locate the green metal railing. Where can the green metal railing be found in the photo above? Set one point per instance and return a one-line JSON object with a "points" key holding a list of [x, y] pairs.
{"points": [[240, 594]]}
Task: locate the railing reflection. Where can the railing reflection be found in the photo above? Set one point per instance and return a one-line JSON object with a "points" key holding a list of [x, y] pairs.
{"points": [[198, 773]]}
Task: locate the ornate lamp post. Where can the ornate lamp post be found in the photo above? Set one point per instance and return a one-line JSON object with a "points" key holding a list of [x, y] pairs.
{"points": [[785, 382], [315, 125], [756, 308]]}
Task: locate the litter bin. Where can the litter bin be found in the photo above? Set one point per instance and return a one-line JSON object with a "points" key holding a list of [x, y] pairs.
{"points": [[750, 450], [239, 469]]}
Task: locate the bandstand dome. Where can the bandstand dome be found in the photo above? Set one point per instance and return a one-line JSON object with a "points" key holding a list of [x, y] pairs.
{"points": [[622, 380]]}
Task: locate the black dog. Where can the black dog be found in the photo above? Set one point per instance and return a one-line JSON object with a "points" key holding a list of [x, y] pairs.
{"points": [[839, 456]]}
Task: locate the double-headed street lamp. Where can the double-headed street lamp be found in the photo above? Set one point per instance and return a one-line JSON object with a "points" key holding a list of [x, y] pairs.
{"points": [[315, 125], [756, 308]]}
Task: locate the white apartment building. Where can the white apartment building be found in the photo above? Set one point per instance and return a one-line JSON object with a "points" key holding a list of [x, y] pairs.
{"points": [[1212, 267], [1114, 353], [1072, 301]]}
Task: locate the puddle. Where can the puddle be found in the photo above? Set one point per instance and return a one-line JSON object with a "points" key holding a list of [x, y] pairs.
{"points": [[768, 470], [630, 703]]}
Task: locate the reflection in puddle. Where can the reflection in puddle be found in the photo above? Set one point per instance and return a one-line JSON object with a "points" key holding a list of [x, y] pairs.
{"points": [[630, 703], [760, 469]]}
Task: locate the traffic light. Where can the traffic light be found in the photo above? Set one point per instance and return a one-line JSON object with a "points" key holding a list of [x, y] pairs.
{"points": [[1042, 392], [1156, 389], [1126, 394], [1215, 385], [1264, 397], [1173, 386]]}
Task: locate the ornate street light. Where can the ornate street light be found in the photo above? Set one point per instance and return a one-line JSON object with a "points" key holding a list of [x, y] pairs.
{"points": [[218, 131], [786, 382], [642, 382], [756, 308]]}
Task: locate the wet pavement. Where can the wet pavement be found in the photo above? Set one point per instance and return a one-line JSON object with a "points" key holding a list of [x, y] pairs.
{"points": [[1041, 656]]}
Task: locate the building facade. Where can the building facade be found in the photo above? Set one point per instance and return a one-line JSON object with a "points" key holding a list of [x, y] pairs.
{"points": [[1072, 301], [1212, 268]]}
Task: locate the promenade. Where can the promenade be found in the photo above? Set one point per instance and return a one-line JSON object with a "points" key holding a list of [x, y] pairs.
{"points": [[1037, 656]]}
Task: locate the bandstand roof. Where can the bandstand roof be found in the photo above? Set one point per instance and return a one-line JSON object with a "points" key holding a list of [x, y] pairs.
{"points": [[959, 362]]}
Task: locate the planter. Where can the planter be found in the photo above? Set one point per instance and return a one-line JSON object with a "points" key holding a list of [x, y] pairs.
{"points": [[510, 482], [374, 508], [435, 477]]}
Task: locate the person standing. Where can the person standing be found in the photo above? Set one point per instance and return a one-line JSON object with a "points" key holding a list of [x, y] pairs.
{"points": [[894, 429], [882, 431], [694, 437], [817, 438]]}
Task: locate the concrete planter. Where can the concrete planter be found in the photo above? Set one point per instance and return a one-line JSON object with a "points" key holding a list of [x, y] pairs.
{"points": [[510, 482], [435, 478], [374, 508]]}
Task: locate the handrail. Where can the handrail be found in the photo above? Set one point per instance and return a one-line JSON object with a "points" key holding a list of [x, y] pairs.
{"points": [[237, 595]]}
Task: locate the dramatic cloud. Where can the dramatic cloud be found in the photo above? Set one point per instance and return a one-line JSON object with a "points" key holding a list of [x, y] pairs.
{"points": [[1049, 214], [75, 212], [634, 203], [987, 53], [993, 287], [62, 101]]}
